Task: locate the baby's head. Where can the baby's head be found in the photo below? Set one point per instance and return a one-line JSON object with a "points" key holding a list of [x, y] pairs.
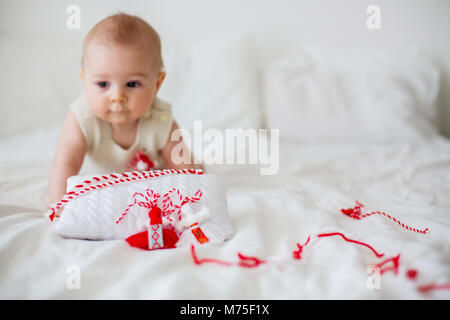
{"points": [[121, 68]]}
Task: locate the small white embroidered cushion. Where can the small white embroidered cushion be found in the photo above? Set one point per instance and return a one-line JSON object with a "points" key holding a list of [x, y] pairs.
{"points": [[94, 214]]}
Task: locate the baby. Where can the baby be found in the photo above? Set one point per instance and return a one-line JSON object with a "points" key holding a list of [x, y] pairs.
{"points": [[119, 114]]}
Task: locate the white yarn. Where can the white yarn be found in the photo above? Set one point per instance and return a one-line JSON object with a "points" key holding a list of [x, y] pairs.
{"points": [[188, 217], [141, 165], [94, 215]]}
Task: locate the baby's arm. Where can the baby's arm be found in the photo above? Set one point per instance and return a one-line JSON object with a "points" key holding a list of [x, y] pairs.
{"points": [[69, 155], [166, 153]]}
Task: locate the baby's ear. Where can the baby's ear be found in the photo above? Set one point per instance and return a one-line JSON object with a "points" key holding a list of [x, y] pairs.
{"points": [[81, 73], [161, 77]]}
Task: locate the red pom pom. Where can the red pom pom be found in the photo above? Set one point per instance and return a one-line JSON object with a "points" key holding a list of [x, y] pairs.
{"points": [[170, 238], [155, 215], [138, 240]]}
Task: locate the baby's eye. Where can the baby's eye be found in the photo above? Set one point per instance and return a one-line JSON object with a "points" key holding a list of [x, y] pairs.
{"points": [[102, 84], [133, 84]]}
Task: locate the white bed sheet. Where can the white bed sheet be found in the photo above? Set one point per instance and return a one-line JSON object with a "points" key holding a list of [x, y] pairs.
{"points": [[270, 215]]}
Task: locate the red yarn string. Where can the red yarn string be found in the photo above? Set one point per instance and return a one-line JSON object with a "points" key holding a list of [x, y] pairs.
{"points": [[394, 267], [252, 262], [198, 261], [433, 286], [350, 240], [249, 262], [245, 261], [147, 204], [297, 253], [152, 201]]}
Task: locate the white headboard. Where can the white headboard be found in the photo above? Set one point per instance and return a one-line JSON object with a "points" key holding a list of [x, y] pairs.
{"points": [[276, 25]]}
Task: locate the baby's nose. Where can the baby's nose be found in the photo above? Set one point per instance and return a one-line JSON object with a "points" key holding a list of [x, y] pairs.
{"points": [[118, 97]]}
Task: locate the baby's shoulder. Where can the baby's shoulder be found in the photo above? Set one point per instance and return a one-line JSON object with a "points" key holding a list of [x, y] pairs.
{"points": [[160, 111], [161, 105], [80, 107], [89, 124]]}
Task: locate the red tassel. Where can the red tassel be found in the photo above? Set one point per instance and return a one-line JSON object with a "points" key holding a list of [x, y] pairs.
{"points": [[140, 240], [170, 238]]}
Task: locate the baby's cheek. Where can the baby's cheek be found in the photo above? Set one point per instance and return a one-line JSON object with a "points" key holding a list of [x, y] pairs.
{"points": [[98, 108], [101, 113], [142, 104]]}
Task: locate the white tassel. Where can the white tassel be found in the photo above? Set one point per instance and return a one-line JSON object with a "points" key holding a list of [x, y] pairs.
{"points": [[188, 217]]}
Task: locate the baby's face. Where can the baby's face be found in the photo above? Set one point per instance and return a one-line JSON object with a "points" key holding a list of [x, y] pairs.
{"points": [[120, 82]]}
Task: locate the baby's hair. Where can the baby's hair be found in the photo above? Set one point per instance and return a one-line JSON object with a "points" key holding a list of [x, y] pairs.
{"points": [[125, 29]]}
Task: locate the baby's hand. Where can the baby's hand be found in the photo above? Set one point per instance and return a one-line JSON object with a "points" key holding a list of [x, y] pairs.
{"points": [[166, 153]]}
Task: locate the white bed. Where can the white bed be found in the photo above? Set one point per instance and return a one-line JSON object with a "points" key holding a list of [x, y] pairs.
{"points": [[362, 131], [270, 215]]}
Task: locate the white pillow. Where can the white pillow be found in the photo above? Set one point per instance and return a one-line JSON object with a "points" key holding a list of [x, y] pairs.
{"points": [[318, 97], [214, 81], [94, 215]]}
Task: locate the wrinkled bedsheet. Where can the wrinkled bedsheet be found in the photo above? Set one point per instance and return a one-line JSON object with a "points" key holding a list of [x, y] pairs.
{"points": [[270, 215]]}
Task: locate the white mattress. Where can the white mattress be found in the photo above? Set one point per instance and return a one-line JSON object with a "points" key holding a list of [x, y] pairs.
{"points": [[270, 214]]}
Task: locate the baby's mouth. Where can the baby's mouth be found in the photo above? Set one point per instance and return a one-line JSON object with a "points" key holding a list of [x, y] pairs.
{"points": [[118, 110]]}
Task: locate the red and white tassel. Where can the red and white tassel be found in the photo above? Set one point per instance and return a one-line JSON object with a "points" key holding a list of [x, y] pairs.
{"points": [[155, 232]]}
